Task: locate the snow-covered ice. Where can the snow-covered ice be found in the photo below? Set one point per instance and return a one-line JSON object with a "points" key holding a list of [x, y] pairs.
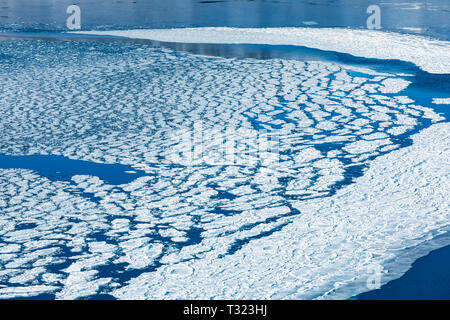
{"points": [[429, 54]]}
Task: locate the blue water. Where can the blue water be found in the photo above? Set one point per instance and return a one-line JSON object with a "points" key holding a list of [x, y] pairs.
{"points": [[430, 17], [59, 168], [428, 279]]}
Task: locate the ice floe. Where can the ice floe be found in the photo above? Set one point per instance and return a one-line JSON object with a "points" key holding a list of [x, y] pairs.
{"points": [[441, 100]]}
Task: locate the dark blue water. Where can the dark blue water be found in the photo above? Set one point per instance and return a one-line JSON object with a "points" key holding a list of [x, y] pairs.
{"points": [[428, 279], [429, 18], [59, 168]]}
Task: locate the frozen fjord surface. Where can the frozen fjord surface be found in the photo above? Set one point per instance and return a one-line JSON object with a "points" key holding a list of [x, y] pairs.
{"points": [[328, 250], [125, 103], [430, 55]]}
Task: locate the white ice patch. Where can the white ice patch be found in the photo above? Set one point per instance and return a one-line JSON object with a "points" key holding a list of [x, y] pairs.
{"points": [[412, 29], [441, 100], [394, 85], [19, 291], [429, 54]]}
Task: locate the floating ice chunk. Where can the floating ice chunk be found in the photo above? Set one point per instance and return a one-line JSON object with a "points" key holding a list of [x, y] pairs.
{"points": [[9, 248], [11, 292], [441, 100], [140, 256], [394, 85], [307, 155], [363, 146], [310, 23], [412, 29], [81, 284]]}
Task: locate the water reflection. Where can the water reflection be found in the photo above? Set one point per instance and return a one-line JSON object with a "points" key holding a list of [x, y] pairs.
{"points": [[431, 17]]}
